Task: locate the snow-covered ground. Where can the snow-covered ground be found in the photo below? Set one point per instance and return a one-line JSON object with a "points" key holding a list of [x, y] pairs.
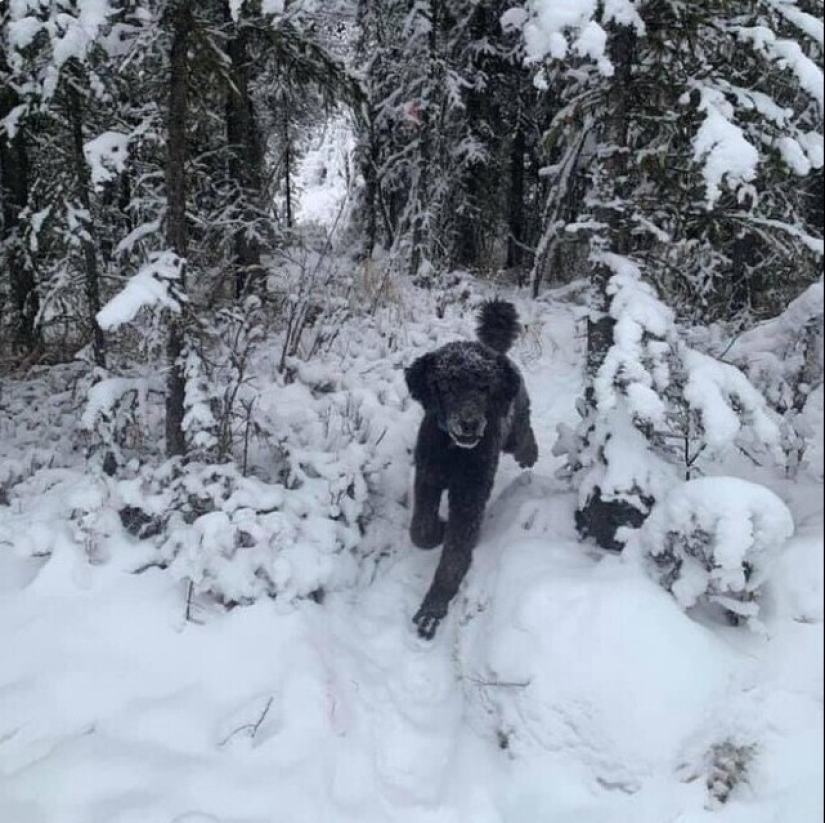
{"points": [[565, 686], [324, 176]]}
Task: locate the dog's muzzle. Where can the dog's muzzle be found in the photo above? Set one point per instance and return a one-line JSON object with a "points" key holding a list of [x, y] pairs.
{"points": [[466, 431]]}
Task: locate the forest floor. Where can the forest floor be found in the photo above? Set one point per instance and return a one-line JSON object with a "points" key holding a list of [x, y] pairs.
{"points": [[565, 685]]}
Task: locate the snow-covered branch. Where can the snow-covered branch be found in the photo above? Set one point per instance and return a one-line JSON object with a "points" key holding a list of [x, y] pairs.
{"points": [[151, 287]]}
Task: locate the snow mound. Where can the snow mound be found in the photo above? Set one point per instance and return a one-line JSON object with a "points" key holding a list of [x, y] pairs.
{"points": [[715, 539], [588, 664]]}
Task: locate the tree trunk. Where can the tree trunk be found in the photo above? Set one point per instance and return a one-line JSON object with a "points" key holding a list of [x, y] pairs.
{"points": [[746, 281], [468, 247], [14, 196], [245, 161], [88, 240], [287, 138], [617, 238], [422, 228], [516, 233], [176, 228], [368, 155], [601, 517], [467, 244], [815, 201], [371, 191]]}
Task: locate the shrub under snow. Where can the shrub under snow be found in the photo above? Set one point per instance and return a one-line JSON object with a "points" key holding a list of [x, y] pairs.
{"points": [[784, 356], [658, 408], [239, 538], [714, 540], [785, 359]]}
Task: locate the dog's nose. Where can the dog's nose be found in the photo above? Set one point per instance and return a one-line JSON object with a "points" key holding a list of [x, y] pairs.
{"points": [[469, 424]]}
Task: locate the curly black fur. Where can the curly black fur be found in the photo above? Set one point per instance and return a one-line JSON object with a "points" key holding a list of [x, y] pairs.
{"points": [[476, 406], [498, 325]]}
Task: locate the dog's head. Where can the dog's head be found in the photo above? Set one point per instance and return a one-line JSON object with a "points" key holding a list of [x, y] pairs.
{"points": [[466, 385]]}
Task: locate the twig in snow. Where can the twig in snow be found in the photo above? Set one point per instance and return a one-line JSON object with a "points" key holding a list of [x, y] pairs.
{"points": [[250, 728]]}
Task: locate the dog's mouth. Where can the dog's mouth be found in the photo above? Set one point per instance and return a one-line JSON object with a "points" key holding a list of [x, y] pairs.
{"points": [[464, 441], [466, 428]]}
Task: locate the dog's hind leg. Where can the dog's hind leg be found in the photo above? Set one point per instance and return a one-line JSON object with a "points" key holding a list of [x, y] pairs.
{"points": [[527, 450], [521, 441]]}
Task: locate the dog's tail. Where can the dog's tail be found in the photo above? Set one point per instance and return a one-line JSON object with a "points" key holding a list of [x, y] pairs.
{"points": [[498, 325]]}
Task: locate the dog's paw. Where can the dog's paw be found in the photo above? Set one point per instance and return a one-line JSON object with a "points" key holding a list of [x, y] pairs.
{"points": [[528, 454], [427, 620], [527, 458], [430, 536]]}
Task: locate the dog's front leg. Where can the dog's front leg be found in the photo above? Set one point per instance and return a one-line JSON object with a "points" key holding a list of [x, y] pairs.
{"points": [[463, 529], [427, 528]]}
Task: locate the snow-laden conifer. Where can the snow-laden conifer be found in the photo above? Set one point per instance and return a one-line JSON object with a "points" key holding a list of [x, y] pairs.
{"points": [[657, 409]]}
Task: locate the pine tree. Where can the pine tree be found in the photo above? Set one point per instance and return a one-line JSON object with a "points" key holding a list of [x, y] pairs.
{"points": [[14, 199], [681, 139], [57, 56], [448, 135], [724, 123]]}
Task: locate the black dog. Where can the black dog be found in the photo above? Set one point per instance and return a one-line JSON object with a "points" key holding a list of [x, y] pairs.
{"points": [[476, 407]]}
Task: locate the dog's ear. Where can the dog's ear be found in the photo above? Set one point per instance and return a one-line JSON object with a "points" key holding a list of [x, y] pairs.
{"points": [[510, 383], [419, 380]]}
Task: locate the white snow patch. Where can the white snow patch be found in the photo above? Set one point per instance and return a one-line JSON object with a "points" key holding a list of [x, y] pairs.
{"points": [[273, 7], [149, 288], [324, 177], [721, 147], [107, 156], [549, 26]]}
